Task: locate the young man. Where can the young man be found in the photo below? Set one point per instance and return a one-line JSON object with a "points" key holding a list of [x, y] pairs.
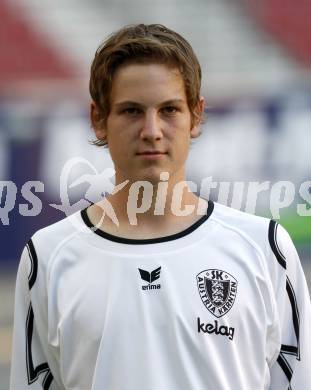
{"points": [[191, 295]]}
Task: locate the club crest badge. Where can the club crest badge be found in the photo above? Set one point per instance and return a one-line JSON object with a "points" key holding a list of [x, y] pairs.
{"points": [[217, 290]]}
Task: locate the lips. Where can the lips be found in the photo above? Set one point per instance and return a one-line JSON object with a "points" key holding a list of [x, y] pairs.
{"points": [[150, 153]]}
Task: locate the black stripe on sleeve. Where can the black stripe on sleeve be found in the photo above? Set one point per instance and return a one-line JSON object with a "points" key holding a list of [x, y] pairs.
{"points": [[47, 381], [34, 264], [274, 245], [33, 373], [290, 349], [295, 313], [285, 367], [293, 350]]}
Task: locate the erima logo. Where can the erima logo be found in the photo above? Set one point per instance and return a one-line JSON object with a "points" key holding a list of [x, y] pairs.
{"points": [[213, 328], [150, 277]]}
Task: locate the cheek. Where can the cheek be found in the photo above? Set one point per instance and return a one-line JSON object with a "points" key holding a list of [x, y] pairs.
{"points": [[181, 137], [181, 150], [120, 151]]}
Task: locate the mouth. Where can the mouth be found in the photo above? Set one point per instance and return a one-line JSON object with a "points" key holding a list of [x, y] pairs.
{"points": [[151, 154]]}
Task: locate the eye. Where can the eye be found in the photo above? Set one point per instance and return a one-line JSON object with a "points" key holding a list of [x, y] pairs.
{"points": [[131, 111], [169, 110]]}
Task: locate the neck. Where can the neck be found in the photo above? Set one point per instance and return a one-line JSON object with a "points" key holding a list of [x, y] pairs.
{"points": [[155, 202], [160, 209], [146, 209]]}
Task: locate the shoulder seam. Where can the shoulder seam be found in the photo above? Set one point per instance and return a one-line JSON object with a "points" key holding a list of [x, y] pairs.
{"points": [[250, 241], [59, 246]]}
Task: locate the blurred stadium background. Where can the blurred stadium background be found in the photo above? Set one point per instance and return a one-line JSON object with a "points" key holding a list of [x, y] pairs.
{"points": [[256, 62]]}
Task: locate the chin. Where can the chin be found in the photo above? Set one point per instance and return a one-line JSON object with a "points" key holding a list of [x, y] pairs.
{"points": [[151, 174], [151, 178]]}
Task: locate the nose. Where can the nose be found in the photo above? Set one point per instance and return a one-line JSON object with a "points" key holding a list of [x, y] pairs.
{"points": [[151, 126]]}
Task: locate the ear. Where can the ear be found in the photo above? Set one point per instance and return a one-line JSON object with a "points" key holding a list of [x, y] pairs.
{"points": [[199, 111], [99, 129]]}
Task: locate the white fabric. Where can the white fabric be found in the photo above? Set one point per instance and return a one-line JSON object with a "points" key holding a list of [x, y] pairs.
{"points": [[98, 328]]}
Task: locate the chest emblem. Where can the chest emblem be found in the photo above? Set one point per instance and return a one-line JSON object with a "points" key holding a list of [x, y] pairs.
{"points": [[217, 290]]}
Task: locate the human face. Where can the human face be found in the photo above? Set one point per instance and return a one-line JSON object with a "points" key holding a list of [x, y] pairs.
{"points": [[148, 129]]}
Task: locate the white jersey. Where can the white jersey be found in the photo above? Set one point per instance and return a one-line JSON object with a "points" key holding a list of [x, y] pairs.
{"points": [[222, 305]]}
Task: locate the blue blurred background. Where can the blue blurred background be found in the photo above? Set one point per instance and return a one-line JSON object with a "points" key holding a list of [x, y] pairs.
{"points": [[256, 63]]}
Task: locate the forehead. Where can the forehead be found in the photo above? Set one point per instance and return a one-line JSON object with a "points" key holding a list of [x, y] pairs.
{"points": [[147, 83]]}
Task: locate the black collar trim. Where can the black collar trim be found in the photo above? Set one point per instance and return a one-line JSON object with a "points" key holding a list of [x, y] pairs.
{"points": [[157, 240]]}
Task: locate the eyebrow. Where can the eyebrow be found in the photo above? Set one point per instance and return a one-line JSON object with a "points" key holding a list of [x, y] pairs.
{"points": [[136, 104]]}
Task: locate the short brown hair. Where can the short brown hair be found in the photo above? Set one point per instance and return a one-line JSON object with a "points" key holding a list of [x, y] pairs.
{"points": [[142, 44]]}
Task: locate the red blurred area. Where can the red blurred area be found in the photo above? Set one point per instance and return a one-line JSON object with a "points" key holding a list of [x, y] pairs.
{"points": [[289, 22], [25, 53]]}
